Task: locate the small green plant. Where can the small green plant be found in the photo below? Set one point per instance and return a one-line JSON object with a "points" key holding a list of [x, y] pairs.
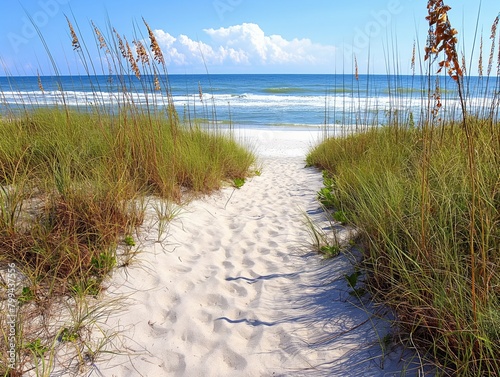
{"points": [[327, 179], [326, 197], [87, 287], [326, 194], [68, 335], [36, 347], [352, 281], [386, 341], [330, 251], [103, 263], [26, 295], [129, 241], [238, 182], [340, 217]]}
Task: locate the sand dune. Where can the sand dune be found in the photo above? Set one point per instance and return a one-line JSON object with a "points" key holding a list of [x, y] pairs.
{"points": [[234, 291]]}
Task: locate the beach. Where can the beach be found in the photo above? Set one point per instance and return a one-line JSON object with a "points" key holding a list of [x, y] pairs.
{"points": [[216, 191], [233, 288]]}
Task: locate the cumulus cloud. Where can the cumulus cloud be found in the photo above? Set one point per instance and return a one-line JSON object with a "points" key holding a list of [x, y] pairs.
{"points": [[245, 44]]}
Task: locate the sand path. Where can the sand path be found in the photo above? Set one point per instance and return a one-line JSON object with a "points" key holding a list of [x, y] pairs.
{"points": [[234, 291]]}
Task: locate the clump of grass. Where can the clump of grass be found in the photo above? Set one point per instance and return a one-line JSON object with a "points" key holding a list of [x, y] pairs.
{"points": [[426, 197], [72, 180], [427, 283]]}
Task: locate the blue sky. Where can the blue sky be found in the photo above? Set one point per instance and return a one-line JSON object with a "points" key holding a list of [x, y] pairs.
{"points": [[237, 36]]}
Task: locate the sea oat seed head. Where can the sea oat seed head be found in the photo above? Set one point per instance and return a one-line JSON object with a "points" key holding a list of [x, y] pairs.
{"points": [[441, 37], [413, 54], [102, 42], [157, 84], [132, 61], [480, 61], [356, 68], [40, 86], [142, 54], [155, 47], [121, 46], [200, 92], [74, 42]]}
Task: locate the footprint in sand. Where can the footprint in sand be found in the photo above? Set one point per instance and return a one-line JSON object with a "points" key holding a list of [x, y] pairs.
{"points": [[233, 360], [175, 362], [255, 337], [248, 263], [238, 290], [216, 300], [273, 244], [171, 316], [206, 317]]}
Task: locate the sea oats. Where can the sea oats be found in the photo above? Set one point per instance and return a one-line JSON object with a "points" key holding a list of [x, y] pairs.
{"points": [[132, 61], [200, 91], [40, 86], [493, 38], [356, 75], [480, 60], [464, 64], [74, 42], [102, 42], [437, 98], [442, 37], [121, 46], [155, 47], [413, 54], [142, 54], [157, 83]]}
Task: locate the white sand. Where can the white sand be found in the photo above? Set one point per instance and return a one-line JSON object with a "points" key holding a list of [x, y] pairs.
{"points": [[234, 291]]}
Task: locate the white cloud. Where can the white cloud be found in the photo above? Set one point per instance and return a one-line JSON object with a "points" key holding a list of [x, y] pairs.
{"points": [[170, 51], [245, 44]]}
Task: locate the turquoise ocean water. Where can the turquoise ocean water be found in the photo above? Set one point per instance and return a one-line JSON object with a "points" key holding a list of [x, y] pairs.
{"points": [[258, 100]]}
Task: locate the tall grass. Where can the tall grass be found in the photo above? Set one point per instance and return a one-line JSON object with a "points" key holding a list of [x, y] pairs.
{"points": [[73, 181], [426, 200]]}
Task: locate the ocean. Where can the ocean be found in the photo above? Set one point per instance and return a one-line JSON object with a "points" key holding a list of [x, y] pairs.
{"points": [[259, 100]]}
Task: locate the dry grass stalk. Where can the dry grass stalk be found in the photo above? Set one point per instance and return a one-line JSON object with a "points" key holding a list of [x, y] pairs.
{"points": [[142, 54], [437, 98], [356, 73], [157, 83], [480, 60], [132, 61], [155, 47], [442, 37], [102, 42], [40, 86], [493, 37], [121, 45], [413, 54], [498, 58], [74, 38], [200, 91], [464, 64]]}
